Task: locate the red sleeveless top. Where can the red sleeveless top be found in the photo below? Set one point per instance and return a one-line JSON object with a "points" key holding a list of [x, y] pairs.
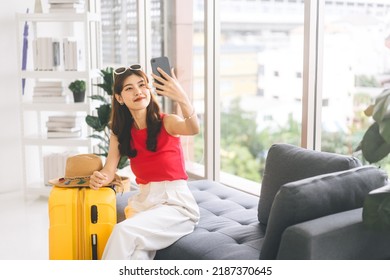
{"points": [[165, 164]]}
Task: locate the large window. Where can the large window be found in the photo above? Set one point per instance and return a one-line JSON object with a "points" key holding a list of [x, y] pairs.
{"points": [[260, 72], [356, 66], [260, 62], [135, 31], [132, 31], [119, 31]]}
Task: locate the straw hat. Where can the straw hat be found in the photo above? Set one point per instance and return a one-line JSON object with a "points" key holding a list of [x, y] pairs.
{"points": [[78, 171]]}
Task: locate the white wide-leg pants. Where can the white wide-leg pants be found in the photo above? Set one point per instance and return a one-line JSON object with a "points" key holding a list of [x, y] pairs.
{"points": [[162, 212]]}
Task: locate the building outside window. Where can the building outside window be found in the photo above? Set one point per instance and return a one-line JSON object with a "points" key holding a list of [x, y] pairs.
{"points": [[121, 25], [266, 36], [356, 65]]}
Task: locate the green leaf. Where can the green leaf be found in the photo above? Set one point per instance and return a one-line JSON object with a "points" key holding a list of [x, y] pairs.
{"points": [[77, 86], [104, 112], [369, 111], [384, 213], [99, 98], [102, 154], [382, 103], [384, 129], [99, 137], [123, 162], [103, 147], [376, 214], [106, 88], [108, 80], [94, 122], [359, 147], [374, 147], [100, 123]]}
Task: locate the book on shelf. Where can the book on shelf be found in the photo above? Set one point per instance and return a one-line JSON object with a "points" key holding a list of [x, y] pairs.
{"points": [[51, 54], [54, 123], [56, 54], [68, 7], [36, 48], [49, 89], [48, 93], [71, 54], [65, 2], [46, 53], [61, 134], [65, 119], [63, 127]]}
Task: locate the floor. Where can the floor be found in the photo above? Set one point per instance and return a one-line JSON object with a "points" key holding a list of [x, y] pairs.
{"points": [[24, 227]]}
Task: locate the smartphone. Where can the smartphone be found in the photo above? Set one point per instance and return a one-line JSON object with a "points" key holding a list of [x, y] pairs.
{"points": [[163, 63]]}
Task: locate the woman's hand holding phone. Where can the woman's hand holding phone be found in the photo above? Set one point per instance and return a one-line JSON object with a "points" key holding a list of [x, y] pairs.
{"points": [[165, 80]]}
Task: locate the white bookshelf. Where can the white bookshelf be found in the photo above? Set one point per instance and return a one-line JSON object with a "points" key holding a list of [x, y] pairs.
{"points": [[37, 140], [71, 107], [85, 27], [59, 74]]}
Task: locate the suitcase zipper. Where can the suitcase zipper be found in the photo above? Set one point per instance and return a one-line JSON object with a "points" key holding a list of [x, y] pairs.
{"points": [[81, 225], [94, 216]]}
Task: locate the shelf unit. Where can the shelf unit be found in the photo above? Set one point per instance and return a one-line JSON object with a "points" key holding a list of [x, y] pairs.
{"points": [[35, 144]]}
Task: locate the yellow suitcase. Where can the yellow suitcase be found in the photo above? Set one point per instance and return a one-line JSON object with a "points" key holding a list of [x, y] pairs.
{"points": [[81, 221]]}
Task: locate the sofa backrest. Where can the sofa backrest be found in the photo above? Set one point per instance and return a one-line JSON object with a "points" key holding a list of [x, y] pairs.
{"points": [[287, 163], [316, 197]]}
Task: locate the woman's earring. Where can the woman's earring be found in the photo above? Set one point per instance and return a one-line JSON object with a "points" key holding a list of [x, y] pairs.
{"points": [[121, 103]]}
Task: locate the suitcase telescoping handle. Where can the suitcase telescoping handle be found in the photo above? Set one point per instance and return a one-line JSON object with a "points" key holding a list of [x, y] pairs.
{"points": [[94, 243]]}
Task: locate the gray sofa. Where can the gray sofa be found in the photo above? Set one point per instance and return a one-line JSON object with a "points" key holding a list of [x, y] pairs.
{"points": [[310, 207]]}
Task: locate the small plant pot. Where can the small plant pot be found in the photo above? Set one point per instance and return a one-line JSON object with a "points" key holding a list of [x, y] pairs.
{"points": [[79, 96]]}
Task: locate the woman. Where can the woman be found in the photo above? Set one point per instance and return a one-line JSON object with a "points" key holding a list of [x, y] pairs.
{"points": [[164, 209]]}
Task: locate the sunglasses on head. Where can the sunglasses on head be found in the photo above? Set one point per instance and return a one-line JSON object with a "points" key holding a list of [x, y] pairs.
{"points": [[122, 70]]}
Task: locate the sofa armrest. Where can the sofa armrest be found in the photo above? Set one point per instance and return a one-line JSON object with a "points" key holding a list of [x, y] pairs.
{"points": [[337, 236]]}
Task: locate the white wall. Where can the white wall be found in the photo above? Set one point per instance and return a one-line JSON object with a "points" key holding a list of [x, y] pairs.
{"points": [[10, 135]]}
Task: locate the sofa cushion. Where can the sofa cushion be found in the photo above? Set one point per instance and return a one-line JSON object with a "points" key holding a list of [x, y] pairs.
{"points": [[228, 227], [287, 163], [316, 197]]}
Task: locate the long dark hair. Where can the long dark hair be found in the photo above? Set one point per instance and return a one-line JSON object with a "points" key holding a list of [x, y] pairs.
{"points": [[122, 121]]}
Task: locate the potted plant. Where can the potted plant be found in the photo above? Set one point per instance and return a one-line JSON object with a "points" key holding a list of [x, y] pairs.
{"points": [[100, 123], [78, 89], [375, 146]]}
